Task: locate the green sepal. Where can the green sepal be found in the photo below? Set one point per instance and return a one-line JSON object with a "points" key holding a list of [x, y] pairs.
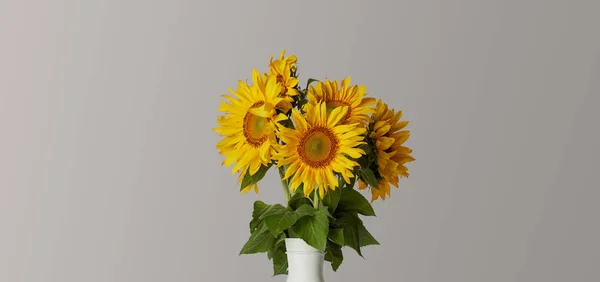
{"points": [[309, 81], [254, 178], [369, 177]]}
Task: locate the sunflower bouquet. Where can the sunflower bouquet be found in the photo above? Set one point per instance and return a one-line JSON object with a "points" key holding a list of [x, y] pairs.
{"points": [[324, 140]]}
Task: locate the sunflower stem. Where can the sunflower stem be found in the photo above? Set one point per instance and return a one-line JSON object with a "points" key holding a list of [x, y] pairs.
{"points": [[316, 198], [285, 186]]}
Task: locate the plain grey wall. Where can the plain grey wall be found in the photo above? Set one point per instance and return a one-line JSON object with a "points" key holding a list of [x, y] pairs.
{"points": [[108, 166]]}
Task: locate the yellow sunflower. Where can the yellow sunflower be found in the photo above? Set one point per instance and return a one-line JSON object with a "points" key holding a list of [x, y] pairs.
{"points": [[388, 136], [318, 148], [359, 107], [282, 69], [248, 124]]}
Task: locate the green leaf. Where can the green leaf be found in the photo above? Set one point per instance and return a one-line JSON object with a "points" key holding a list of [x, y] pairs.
{"points": [[325, 210], [298, 200], [277, 223], [336, 235], [313, 229], [259, 208], [355, 233], [369, 177], [365, 238], [332, 198], [254, 178], [353, 201], [277, 254], [363, 161], [305, 210], [275, 245], [253, 224], [260, 241], [272, 210], [292, 234], [333, 254], [280, 240], [348, 221], [280, 262]]}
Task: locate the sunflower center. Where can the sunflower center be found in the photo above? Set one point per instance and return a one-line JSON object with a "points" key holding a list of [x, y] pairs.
{"points": [[331, 105], [254, 127], [318, 147]]}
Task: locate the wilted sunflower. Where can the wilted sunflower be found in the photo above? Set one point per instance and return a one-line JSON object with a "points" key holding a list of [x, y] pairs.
{"points": [[318, 148], [283, 69], [359, 106], [388, 137], [248, 124]]}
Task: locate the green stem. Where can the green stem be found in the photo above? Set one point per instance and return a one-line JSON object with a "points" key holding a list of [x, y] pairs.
{"points": [[284, 184], [316, 198]]}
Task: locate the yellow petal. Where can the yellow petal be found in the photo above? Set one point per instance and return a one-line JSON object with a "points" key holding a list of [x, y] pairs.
{"points": [[299, 120], [336, 115]]}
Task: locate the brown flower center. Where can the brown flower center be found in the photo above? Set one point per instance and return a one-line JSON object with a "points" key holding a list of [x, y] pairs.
{"points": [[254, 127], [318, 147]]}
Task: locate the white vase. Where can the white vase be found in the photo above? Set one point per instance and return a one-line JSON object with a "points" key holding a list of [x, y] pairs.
{"points": [[305, 263]]}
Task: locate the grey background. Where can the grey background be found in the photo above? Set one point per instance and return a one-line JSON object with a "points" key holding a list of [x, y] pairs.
{"points": [[108, 170]]}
